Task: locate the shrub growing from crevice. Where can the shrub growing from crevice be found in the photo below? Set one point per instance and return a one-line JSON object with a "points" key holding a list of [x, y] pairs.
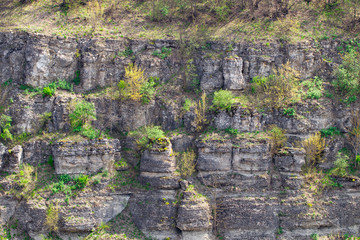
{"points": [[223, 100], [348, 74], [136, 86], [277, 138], [186, 163], [52, 217], [5, 124], [314, 147], [80, 119], [146, 136], [279, 89]]}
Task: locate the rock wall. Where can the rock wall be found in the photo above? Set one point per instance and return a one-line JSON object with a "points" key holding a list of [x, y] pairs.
{"points": [[37, 60], [240, 190]]}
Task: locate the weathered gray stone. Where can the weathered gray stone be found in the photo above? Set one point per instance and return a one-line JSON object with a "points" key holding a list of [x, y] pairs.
{"points": [[292, 162], [232, 70], [48, 59], [253, 214], [36, 152], [158, 161], [155, 213], [182, 142], [214, 156], [13, 159], [7, 208], [251, 156], [211, 78], [158, 167], [84, 157], [193, 214]]}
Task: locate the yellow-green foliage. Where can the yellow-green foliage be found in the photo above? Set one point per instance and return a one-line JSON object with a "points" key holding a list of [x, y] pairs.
{"points": [[279, 89], [52, 217], [131, 86], [277, 138], [25, 181], [200, 113], [341, 165], [186, 164], [314, 147]]}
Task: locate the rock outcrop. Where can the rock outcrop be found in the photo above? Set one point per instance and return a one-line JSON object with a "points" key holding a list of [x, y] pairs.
{"points": [[85, 157]]}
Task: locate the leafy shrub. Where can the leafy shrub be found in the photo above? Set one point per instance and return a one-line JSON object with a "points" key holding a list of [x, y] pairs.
{"points": [[330, 131], [47, 91], [147, 135], [348, 74], [232, 131], [277, 138], [291, 112], [279, 89], [147, 90], [64, 177], [341, 165], [83, 112], [134, 79], [314, 148], [5, 124], [223, 100], [186, 163], [25, 181], [88, 131], [81, 181], [52, 217], [314, 88], [64, 85], [126, 53], [164, 53], [188, 104]]}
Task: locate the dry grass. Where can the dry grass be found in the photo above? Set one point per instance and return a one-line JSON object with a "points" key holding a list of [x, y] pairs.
{"points": [[133, 19]]}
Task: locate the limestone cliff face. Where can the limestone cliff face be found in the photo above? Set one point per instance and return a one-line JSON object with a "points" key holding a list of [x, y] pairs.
{"points": [[37, 60], [243, 191]]}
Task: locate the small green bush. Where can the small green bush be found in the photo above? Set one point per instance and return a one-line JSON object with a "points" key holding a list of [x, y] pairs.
{"points": [[232, 131], [330, 131], [188, 104], [52, 217], [83, 112], [147, 90], [126, 53], [348, 74], [277, 138], [314, 88], [186, 163], [164, 53], [291, 112], [223, 100], [64, 177], [89, 132], [64, 85], [146, 135], [341, 165], [47, 91], [81, 181], [5, 124], [279, 89], [314, 147]]}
